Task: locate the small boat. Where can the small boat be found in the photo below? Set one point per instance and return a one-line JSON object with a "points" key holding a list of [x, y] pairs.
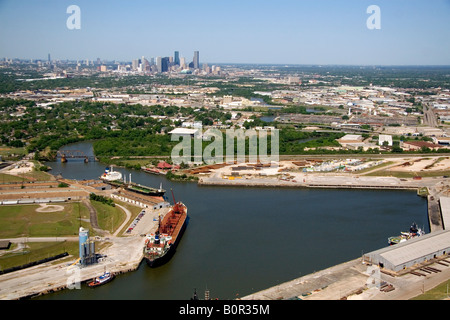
{"points": [[414, 231], [104, 278]]}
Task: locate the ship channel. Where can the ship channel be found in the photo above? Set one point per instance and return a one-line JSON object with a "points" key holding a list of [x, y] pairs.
{"points": [[243, 240]]}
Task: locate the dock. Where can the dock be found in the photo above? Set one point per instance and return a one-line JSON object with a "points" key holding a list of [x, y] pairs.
{"points": [[360, 280], [47, 278], [355, 280], [300, 180], [122, 254]]}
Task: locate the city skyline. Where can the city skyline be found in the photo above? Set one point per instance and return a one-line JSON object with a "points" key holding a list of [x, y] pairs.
{"points": [[261, 32]]}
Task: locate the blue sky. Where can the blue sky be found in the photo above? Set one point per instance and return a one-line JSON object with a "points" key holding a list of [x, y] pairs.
{"points": [[413, 32]]}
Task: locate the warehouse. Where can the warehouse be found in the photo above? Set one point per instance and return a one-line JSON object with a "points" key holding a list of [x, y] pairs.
{"points": [[411, 252], [445, 211]]}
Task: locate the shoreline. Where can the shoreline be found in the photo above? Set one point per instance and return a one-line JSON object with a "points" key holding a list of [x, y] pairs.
{"points": [[325, 181], [120, 259]]}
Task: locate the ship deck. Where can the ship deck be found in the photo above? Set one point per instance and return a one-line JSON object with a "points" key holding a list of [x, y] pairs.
{"points": [[179, 223]]}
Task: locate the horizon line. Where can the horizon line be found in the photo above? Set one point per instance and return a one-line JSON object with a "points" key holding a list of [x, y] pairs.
{"points": [[253, 63]]}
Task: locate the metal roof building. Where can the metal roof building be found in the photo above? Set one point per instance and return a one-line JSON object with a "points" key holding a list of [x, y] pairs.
{"points": [[411, 252], [445, 211]]}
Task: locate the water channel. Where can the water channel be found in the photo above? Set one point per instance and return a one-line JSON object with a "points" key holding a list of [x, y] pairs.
{"points": [[242, 240]]}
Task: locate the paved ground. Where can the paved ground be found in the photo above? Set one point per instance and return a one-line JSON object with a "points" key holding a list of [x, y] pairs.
{"points": [[353, 280], [123, 254], [323, 180]]}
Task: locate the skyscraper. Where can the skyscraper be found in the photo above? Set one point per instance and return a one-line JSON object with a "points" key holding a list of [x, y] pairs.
{"points": [[196, 60], [135, 64], [158, 64], [165, 64], [176, 58]]}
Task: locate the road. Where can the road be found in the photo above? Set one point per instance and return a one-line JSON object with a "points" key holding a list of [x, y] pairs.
{"points": [[429, 118], [127, 219]]}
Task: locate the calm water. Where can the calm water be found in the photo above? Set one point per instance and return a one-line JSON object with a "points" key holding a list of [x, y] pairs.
{"points": [[241, 240]]}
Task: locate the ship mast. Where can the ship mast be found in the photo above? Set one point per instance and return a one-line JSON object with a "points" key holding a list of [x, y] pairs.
{"points": [[174, 202], [158, 231], [176, 208]]}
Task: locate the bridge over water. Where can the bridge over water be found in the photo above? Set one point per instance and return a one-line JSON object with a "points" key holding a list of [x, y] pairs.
{"points": [[65, 155]]}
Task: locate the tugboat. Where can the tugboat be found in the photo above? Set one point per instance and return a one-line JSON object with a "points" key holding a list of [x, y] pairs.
{"points": [[414, 231], [98, 281], [161, 246]]}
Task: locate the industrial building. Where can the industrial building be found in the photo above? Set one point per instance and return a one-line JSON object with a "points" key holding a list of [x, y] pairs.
{"points": [[412, 252], [418, 250], [385, 138], [193, 133], [86, 248], [445, 211]]}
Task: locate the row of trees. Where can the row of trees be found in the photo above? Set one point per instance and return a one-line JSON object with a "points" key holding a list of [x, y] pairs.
{"points": [[102, 199]]}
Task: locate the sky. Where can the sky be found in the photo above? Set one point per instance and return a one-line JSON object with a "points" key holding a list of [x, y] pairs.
{"points": [[320, 32]]}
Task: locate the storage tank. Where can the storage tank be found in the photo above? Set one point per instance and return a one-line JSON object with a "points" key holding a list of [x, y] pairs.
{"points": [[92, 251], [83, 237]]}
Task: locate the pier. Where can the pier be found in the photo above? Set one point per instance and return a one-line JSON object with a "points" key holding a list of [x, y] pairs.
{"points": [[361, 280], [350, 280], [322, 181], [355, 280], [123, 254]]}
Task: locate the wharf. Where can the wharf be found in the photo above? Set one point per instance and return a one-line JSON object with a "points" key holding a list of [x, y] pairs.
{"points": [[300, 180], [355, 280], [358, 280], [121, 254]]}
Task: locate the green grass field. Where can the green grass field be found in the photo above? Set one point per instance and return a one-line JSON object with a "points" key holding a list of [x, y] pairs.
{"points": [[109, 218], [35, 251], [25, 221], [440, 292]]}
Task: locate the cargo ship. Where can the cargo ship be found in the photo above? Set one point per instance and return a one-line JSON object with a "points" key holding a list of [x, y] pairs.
{"points": [[148, 191], [161, 246], [414, 231], [114, 178]]}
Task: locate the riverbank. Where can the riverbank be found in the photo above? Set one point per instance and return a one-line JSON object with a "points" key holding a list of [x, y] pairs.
{"points": [[122, 266], [121, 254], [355, 280], [360, 280], [323, 181]]}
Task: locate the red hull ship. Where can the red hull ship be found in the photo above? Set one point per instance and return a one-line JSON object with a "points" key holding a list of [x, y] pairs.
{"points": [[161, 246]]}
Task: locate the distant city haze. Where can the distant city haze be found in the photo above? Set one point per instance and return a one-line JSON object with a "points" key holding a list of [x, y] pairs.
{"points": [[414, 32]]}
